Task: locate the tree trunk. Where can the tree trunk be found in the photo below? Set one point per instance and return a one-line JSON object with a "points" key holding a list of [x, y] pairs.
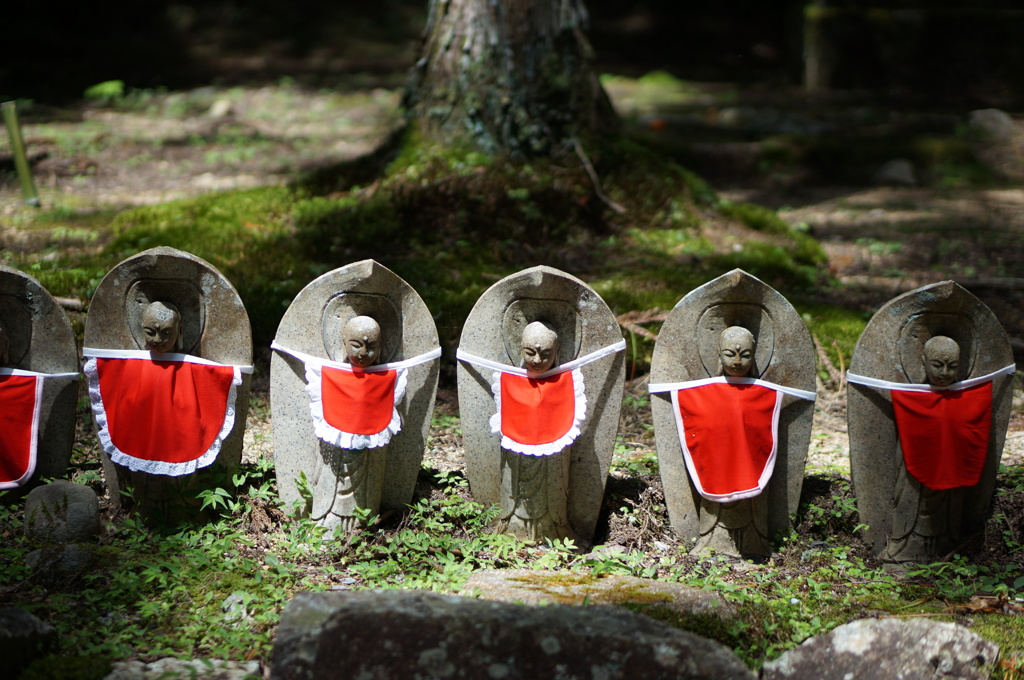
{"points": [[512, 76]]}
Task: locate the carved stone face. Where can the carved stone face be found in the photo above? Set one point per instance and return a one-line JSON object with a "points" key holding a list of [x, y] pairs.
{"points": [[736, 350], [941, 360], [161, 326], [540, 347], [361, 336], [4, 346]]}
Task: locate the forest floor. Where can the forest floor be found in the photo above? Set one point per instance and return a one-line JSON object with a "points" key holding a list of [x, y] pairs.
{"points": [[882, 238], [782, 151]]}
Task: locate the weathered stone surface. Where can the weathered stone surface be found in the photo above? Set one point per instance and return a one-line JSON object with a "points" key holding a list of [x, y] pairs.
{"points": [[528, 586], [493, 331], [62, 512], [54, 563], [23, 637], [997, 140], [184, 669], [41, 340], [898, 172], [890, 349], [214, 326], [394, 634], [915, 649], [313, 325], [688, 349]]}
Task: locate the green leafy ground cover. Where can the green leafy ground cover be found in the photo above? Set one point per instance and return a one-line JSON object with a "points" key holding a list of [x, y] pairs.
{"points": [[215, 589]]}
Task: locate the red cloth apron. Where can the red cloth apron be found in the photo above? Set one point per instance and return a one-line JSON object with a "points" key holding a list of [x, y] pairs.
{"points": [[536, 412], [539, 414], [354, 408], [728, 435], [164, 417], [20, 397], [358, 402], [944, 435]]}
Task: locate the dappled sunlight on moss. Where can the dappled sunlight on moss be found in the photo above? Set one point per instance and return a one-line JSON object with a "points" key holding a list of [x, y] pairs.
{"points": [[836, 329], [453, 221]]}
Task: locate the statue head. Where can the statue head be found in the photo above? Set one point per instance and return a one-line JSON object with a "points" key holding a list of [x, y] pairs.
{"points": [[540, 347], [941, 358], [161, 326], [361, 337], [736, 350], [4, 346]]}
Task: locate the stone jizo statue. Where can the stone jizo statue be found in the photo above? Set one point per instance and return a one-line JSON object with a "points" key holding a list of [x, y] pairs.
{"points": [[732, 378], [357, 472], [738, 527], [540, 382], [534, 488], [736, 351], [941, 359], [927, 521], [362, 341], [353, 381], [540, 347], [161, 327], [929, 399], [38, 383], [169, 353]]}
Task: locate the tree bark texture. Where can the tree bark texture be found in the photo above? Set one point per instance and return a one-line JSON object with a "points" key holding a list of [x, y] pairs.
{"points": [[511, 76]]}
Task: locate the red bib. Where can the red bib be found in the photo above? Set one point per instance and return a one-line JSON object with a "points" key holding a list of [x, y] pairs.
{"points": [[536, 412], [163, 412], [358, 402], [19, 423], [944, 435], [728, 435]]}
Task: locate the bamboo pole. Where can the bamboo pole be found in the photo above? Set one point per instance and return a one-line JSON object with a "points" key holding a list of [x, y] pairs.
{"points": [[28, 187]]}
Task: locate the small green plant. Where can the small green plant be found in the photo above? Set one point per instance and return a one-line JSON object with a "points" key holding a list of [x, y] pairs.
{"points": [[107, 92]]}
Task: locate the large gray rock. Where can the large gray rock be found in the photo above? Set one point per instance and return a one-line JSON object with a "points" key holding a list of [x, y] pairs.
{"points": [[40, 340], [313, 325], [688, 349], [393, 634], [559, 495], [23, 637], [890, 501], [529, 586], [54, 563], [997, 140], [62, 512], [914, 649], [184, 669], [214, 326]]}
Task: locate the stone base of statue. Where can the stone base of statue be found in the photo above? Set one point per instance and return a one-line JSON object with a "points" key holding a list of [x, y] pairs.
{"points": [[533, 492]]}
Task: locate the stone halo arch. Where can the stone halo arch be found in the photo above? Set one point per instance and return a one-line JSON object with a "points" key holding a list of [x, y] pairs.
{"points": [[921, 327], [341, 308], [182, 294], [716, 318], [16, 320], [558, 314]]}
